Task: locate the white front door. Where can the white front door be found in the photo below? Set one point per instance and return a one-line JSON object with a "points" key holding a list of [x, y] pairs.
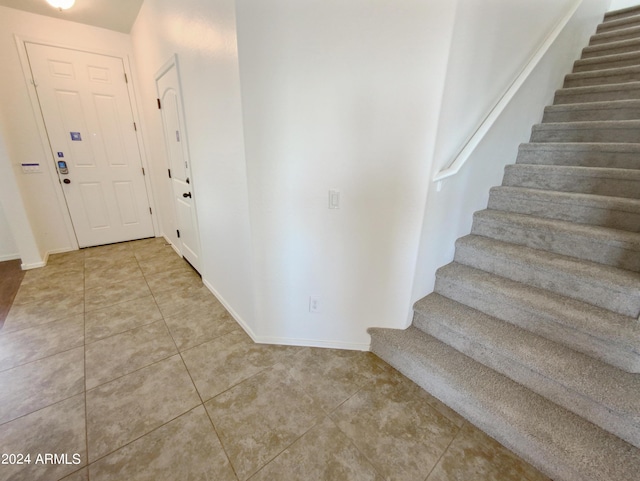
{"points": [[87, 112], [170, 103]]}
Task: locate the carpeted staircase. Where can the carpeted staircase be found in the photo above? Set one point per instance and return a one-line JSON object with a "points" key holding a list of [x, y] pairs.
{"points": [[533, 331]]}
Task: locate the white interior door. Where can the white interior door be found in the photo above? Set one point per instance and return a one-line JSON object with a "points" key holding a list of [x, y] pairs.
{"points": [[87, 113], [170, 104]]}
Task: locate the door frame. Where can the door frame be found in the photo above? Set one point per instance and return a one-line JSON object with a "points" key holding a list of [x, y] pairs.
{"points": [[48, 154], [171, 62]]}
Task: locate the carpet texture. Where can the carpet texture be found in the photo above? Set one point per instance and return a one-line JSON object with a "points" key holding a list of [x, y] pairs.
{"points": [[533, 331]]}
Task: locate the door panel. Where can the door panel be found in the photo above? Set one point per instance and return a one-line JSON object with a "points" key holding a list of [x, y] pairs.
{"points": [[178, 155], [87, 112]]}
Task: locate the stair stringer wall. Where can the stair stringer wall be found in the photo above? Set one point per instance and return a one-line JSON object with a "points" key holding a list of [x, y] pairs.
{"points": [[450, 204]]}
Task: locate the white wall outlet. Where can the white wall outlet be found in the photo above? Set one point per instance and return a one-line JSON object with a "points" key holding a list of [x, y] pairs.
{"points": [[334, 199], [314, 305]]}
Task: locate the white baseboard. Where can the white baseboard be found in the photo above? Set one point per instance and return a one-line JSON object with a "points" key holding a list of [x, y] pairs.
{"points": [[285, 341], [9, 257]]}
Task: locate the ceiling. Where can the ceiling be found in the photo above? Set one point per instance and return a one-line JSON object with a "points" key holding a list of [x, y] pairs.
{"points": [[117, 15]]}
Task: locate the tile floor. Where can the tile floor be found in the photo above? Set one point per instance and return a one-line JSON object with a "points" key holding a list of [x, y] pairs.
{"points": [[117, 360]]}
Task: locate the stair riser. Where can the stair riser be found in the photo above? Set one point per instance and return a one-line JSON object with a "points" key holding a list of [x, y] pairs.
{"points": [[581, 247], [592, 114], [493, 302], [622, 135], [574, 212], [615, 36], [584, 158], [572, 401], [575, 97], [618, 24], [630, 46], [628, 60], [593, 79], [628, 188], [597, 293], [620, 14]]}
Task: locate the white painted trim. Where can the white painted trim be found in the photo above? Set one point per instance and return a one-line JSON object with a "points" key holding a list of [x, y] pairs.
{"points": [[9, 257], [231, 311], [36, 265], [470, 146], [284, 341], [349, 346]]}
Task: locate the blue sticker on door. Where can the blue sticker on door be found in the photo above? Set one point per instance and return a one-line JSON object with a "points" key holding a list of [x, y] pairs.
{"points": [[75, 136]]}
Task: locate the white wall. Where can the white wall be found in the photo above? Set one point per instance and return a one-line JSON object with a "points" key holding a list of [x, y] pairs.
{"points": [[448, 213], [620, 4], [203, 35], [338, 95], [8, 248], [31, 206]]}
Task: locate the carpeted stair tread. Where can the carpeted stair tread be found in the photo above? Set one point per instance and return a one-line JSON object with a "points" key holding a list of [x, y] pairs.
{"points": [[618, 24], [597, 284], [622, 13], [563, 445], [564, 178], [592, 111], [587, 154], [613, 212], [598, 93], [612, 247], [603, 77], [611, 48], [602, 394], [628, 32], [596, 332], [607, 61], [624, 131]]}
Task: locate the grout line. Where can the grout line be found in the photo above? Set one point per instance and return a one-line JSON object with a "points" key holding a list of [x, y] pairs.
{"points": [[445, 450]]}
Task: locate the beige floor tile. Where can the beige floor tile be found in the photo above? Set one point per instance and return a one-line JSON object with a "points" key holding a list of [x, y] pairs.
{"points": [[398, 432], [115, 356], [323, 453], [259, 418], [45, 290], [121, 317], [32, 386], [201, 324], [163, 261], [177, 302], [185, 449], [131, 406], [176, 279], [57, 275], [113, 274], [474, 455], [330, 376], [39, 313], [115, 293], [82, 475], [113, 251], [99, 263], [66, 258], [151, 247], [218, 365], [57, 429], [20, 347]]}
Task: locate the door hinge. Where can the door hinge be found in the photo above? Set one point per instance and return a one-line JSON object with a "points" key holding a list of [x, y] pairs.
{"points": [[135, 127], [150, 211], [159, 103], [126, 79], [169, 170], [143, 171], [178, 232]]}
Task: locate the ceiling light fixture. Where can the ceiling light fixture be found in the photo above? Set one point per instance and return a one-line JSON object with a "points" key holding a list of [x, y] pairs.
{"points": [[61, 4]]}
